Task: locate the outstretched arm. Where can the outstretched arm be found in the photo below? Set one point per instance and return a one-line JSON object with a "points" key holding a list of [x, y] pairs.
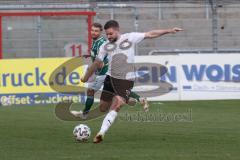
{"points": [[160, 32]]}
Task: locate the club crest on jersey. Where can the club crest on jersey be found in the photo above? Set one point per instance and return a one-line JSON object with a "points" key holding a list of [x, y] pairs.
{"points": [[110, 47], [124, 45]]}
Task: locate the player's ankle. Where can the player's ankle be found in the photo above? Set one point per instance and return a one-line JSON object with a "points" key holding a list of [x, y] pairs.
{"points": [[101, 133], [85, 112]]}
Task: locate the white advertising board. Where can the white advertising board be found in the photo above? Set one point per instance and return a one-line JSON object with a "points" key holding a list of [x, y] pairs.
{"points": [[196, 76]]}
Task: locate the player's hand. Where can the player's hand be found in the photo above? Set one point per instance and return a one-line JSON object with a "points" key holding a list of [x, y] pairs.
{"points": [[176, 29], [83, 79]]}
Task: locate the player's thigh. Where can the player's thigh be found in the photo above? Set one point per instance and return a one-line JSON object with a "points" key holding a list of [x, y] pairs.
{"points": [[104, 105]]}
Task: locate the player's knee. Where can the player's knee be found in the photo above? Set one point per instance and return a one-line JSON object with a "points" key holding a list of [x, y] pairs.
{"points": [[131, 102], [90, 92], [103, 107]]}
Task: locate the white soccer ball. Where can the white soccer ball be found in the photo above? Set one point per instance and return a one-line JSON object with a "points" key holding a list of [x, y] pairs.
{"points": [[82, 132]]}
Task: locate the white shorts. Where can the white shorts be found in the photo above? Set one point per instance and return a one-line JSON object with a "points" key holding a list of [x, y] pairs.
{"points": [[97, 83]]}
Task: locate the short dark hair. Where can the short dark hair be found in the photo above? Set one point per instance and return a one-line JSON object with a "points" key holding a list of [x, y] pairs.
{"points": [[97, 25], [111, 24]]}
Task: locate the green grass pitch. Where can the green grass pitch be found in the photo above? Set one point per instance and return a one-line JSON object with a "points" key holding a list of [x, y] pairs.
{"points": [[34, 133]]}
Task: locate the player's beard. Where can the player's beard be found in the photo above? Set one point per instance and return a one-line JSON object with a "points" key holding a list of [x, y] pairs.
{"points": [[95, 37], [113, 40]]}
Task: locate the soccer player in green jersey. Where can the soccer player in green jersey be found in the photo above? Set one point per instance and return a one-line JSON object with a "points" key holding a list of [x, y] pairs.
{"points": [[100, 75]]}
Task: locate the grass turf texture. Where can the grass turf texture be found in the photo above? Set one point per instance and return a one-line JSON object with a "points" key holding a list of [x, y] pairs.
{"points": [[34, 133]]}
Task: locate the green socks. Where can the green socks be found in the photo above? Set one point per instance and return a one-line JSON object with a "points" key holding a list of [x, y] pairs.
{"points": [[88, 104], [135, 96]]}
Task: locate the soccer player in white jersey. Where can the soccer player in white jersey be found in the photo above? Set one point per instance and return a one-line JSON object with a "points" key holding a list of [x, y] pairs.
{"points": [[121, 74], [100, 74]]}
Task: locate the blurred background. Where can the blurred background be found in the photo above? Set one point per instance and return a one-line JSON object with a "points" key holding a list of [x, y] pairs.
{"points": [[211, 26]]}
